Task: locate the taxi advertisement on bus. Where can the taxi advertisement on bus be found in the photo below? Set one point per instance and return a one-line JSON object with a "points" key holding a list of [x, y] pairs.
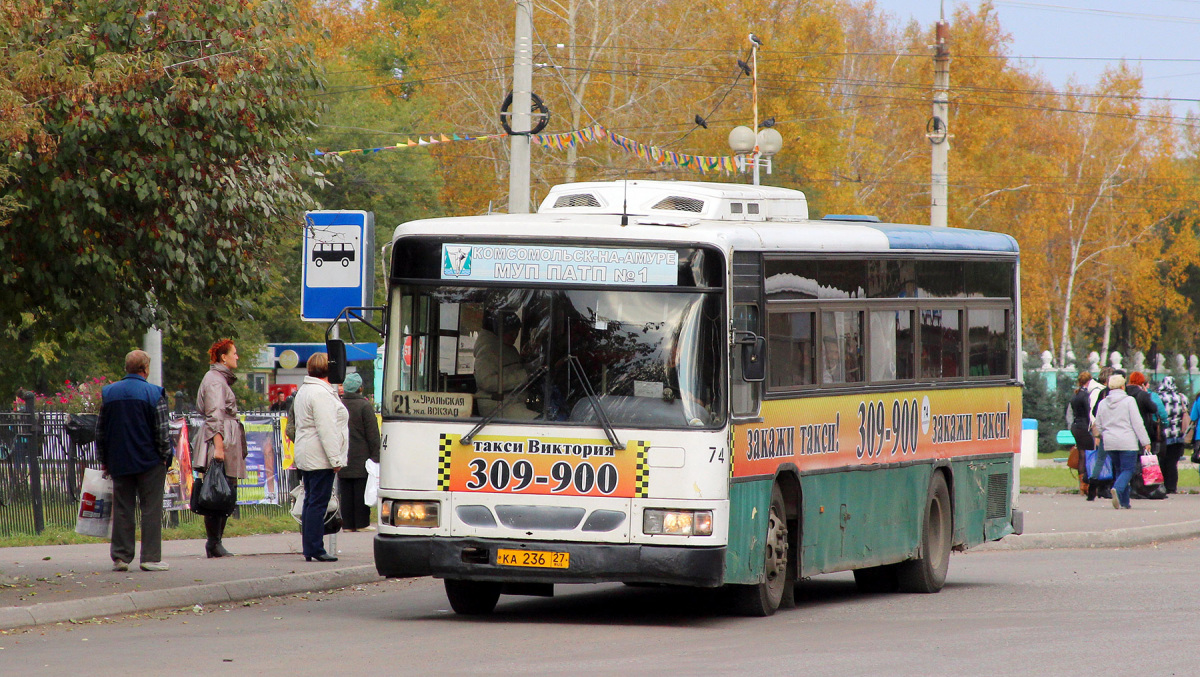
{"points": [[851, 430]]}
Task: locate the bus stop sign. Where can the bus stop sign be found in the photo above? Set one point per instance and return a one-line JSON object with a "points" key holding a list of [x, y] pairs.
{"points": [[339, 263]]}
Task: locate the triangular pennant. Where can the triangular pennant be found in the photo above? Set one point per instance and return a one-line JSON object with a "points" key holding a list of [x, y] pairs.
{"points": [[422, 142], [443, 139]]}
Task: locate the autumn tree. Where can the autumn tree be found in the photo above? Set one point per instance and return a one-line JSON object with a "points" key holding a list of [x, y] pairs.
{"points": [[159, 158]]}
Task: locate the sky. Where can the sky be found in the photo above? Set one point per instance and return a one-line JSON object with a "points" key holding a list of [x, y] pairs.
{"points": [[1081, 37]]}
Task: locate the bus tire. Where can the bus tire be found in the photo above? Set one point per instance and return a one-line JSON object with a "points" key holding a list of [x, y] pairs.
{"points": [[318, 262], [763, 598], [927, 573], [345, 262], [877, 579], [472, 598]]}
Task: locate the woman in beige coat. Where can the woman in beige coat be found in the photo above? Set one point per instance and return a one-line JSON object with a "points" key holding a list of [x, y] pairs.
{"points": [[222, 437]]}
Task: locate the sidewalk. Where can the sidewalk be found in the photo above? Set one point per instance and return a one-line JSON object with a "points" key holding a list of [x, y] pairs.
{"points": [[1060, 520], [65, 582], [50, 584]]}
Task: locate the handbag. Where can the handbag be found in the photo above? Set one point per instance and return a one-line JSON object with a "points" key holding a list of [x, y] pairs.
{"points": [[333, 515], [1073, 458], [215, 498], [94, 517]]}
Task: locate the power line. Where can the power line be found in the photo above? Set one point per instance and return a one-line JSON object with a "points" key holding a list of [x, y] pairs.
{"points": [[1100, 12]]}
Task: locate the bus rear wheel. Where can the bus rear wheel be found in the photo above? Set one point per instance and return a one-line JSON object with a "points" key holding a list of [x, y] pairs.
{"points": [[472, 598], [927, 573], [762, 599]]}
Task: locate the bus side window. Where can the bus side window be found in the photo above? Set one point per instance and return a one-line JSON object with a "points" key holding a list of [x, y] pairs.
{"points": [[744, 396]]}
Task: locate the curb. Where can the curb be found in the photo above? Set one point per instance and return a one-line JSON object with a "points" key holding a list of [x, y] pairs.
{"points": [[211, 593], [1113, 538]]}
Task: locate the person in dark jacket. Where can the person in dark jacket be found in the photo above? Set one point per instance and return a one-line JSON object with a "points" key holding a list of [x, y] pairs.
{"points": [[364, 444], [133, 438], [1146, 406], [1080, 410]]}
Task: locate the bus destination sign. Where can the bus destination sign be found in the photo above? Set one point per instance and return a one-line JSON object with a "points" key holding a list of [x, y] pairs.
{"points": [[559, 265]]}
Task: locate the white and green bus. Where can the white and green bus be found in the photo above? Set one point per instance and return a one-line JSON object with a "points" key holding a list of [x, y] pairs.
{"points": [[693, 384]]}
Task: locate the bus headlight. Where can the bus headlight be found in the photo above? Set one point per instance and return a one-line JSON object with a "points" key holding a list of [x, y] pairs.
{"points": [[399, 513], [677, 522]]}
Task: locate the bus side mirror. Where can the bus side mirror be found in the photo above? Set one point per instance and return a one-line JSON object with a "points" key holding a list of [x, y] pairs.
{"points": [[336, 349], [754, 363]]}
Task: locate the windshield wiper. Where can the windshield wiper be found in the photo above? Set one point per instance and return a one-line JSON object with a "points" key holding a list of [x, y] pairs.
{"points": [[512, 394], [576, 369]]}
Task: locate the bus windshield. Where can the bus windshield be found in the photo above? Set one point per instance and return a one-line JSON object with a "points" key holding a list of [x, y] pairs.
{"points": [[651, 358]]}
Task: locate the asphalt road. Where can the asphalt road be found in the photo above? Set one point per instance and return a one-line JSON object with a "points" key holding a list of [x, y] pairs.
{"points": [[1035, 612]]}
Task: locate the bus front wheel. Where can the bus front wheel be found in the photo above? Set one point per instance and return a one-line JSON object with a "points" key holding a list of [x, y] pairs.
{"points": [[472, 598], [763, 598], [318, 262], [927, 573], [345, 262]]}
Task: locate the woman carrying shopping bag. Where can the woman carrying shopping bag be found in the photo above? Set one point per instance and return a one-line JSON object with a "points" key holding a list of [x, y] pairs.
{"points": [[1120, 428], [222, 437], [322, 442]]}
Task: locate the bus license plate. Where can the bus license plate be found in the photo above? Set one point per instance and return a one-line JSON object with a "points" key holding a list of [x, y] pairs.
{"points": [[533, 558]]}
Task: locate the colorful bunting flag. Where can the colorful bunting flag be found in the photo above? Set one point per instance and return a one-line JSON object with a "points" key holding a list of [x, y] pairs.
{"points": [[563, 141]]}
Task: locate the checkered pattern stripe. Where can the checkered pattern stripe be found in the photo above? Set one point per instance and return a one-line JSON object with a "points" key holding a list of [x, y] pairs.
{"points": [[732, 456], [641, 475], [444, 447]]}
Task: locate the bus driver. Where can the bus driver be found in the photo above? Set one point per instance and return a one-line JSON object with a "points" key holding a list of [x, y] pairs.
{"points": [[498, 367]]}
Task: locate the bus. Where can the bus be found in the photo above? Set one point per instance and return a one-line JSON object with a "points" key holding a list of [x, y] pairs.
{"points": [[333, 251], [694, 384]]}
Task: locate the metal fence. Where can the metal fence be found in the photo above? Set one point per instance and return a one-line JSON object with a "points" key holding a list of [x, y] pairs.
{"points": [[41, 470]]}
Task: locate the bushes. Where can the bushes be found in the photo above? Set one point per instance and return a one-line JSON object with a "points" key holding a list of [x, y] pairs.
{"points": [[1046, 405]]}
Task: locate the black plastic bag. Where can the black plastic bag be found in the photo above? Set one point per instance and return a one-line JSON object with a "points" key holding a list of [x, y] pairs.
{"points": [[214, 497]]}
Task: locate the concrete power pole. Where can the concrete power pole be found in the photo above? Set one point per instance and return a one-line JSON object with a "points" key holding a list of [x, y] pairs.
{"points": [[938, 129], [153, 348], [518, 167]]}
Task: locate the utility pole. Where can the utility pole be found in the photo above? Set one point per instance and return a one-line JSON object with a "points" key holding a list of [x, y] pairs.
{"points": [[754, 62], [153, 343], [518, 166], [938, 129]]}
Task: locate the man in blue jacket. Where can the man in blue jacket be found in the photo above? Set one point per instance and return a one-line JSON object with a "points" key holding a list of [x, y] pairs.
{"points": [[133, 437]]}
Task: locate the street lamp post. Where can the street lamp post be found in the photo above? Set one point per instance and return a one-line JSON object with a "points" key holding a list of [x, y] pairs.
{"points": [[754, 150], [751, 147]]}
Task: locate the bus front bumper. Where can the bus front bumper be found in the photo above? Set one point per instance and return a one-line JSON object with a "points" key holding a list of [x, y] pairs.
{"points": [[474, 559]]}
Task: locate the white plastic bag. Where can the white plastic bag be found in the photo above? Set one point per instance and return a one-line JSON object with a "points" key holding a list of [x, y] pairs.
{"points": [[94, 517], [371, 495]]}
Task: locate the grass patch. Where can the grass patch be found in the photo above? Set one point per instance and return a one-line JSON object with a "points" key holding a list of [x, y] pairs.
{"points": [[1065, 478], [253, 520]]}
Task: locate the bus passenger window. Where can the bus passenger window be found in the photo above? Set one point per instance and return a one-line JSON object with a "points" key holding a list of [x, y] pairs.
{"points": [[987, 336], [891, 345], [791, 349], [841, 347], [941, 343]]}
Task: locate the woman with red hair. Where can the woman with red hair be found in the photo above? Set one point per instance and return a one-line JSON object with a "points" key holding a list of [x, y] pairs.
{"points": [[222, 437]]}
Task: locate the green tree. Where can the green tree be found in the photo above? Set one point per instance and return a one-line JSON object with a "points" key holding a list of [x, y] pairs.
{"points": [[158, 161]]}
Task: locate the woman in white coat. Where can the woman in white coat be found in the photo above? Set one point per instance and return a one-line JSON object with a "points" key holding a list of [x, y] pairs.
{"points": [[322, 443]]}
